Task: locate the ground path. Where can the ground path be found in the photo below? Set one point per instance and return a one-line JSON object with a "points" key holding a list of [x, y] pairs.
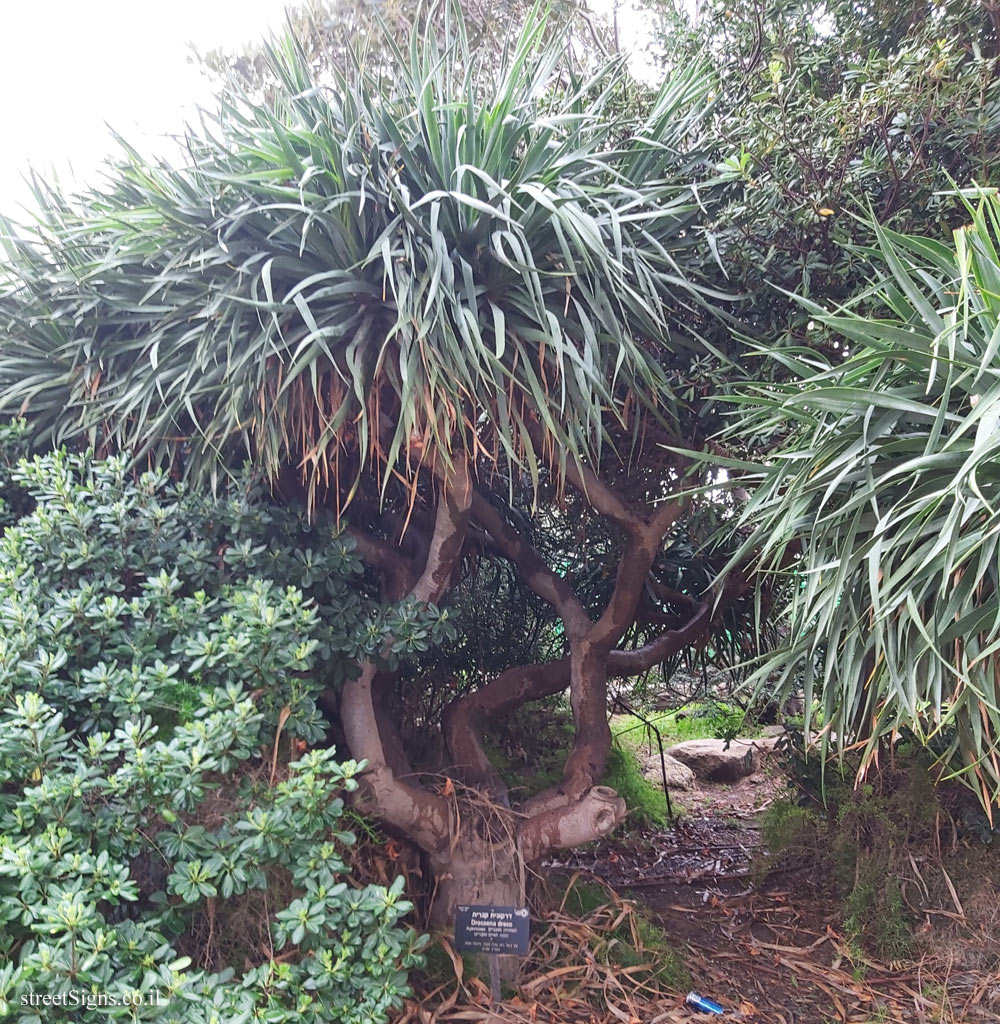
{"points": [[769, 950]]}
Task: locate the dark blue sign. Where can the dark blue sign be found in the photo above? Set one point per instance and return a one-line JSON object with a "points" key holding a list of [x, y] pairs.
{"points": [[492, 929]]}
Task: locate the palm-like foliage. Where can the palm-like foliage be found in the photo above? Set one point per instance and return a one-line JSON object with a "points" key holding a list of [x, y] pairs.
{"points": [[887, 476], [370, 270]]}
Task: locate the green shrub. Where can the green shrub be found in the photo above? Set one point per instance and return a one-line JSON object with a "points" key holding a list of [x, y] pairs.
{"points": [[14, 500], [112, 847], [791, 830], [125, 593], [161, 656], [858, 844], [874, 914]]}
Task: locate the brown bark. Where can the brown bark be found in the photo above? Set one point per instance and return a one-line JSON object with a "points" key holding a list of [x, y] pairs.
{"points": [[467, 716], [642, 659], [483, 867], [594, 815], [565, 809], [392, 742], [476, 845], [643, 546], [448, 538], [424, 816], [590, 652], [592, 736], [482, 864], [552, 817], [417, 812]]}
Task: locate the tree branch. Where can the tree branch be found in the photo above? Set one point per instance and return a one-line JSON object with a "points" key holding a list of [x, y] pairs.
{"points": [[467, 716], [532, 569], [450, 524], [633, 572], [599, 811], [603, 498], [392, 742], [414, 810], [399, 571], [419, 813], [589, 664], [642, 659]]}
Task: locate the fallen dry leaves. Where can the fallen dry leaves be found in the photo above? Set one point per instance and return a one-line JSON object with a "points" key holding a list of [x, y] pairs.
{"points": [[811, 977], [561, 980]]}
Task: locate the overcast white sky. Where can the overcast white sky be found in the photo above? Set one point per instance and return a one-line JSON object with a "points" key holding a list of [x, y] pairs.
{"points": [[71, 67]]}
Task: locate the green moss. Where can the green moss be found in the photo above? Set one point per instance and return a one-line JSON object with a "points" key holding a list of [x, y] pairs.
{"points": [[583, 898], [647, 805]]}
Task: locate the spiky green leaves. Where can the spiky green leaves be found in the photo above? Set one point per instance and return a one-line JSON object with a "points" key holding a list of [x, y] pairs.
{"points": [[889, 480], [370, 273]]}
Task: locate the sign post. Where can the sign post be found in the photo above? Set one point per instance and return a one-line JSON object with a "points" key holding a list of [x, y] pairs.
{"points": [[494, 931], [495, 991]]}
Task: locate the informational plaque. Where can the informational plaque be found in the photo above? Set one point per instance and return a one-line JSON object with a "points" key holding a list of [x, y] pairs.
{"points": [[492, 930]]}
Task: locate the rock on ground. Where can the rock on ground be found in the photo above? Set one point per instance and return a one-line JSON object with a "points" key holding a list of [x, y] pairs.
{"points": [[713, 761], [679, 776]]}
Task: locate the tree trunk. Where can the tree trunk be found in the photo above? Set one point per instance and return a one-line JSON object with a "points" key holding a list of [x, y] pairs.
{"points": [[475, 873], [482, 866], [476, 847]]}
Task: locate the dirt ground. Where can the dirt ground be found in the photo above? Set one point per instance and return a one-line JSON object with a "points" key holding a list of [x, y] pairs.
{"points": [[768, 950]]}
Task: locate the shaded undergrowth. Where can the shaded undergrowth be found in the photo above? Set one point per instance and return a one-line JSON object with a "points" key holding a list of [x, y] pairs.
{"points": [[530, 749], [909, 861]]}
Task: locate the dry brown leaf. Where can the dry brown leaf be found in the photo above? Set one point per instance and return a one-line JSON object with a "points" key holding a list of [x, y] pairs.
{"points": [[283, 717]]}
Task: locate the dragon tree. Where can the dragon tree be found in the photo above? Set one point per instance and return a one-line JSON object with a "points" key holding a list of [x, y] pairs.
{"points": [[456, 305]]}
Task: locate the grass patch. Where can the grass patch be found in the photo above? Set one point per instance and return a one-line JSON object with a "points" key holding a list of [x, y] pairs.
{"points": [[581, 898], [636, 941], [693, 722]]}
